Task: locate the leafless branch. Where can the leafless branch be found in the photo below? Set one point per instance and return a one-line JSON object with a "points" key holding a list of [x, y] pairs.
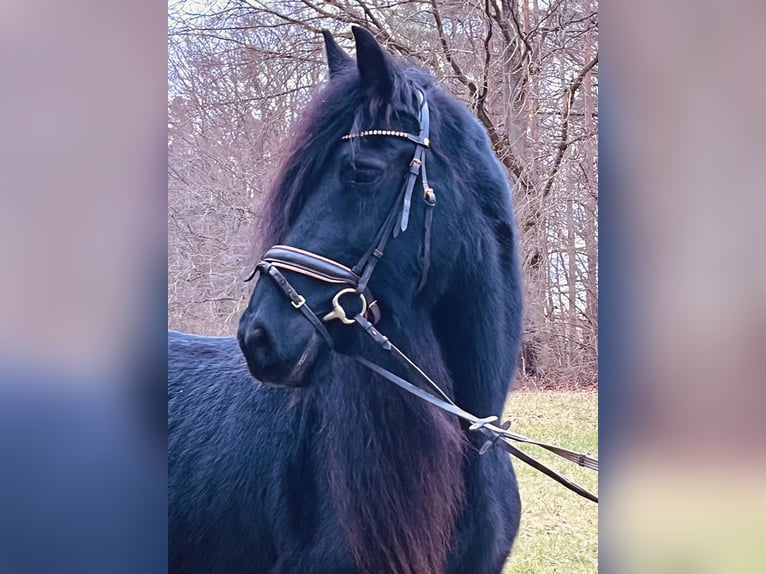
{"points": [[571, 92]]}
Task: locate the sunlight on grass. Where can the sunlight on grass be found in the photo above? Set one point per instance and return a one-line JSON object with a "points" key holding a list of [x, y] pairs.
{"points": [[559, 529]]}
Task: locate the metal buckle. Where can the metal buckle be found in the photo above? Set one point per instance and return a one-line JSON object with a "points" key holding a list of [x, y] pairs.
{"points": [[299, 303], [338, 312]]}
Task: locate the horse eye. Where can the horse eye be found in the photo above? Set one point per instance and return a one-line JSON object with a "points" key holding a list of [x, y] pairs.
{"points": [[362, 173], [366, 175]]}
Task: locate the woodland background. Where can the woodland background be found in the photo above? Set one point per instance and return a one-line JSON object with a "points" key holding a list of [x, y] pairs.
{"points": [[240, 73]]}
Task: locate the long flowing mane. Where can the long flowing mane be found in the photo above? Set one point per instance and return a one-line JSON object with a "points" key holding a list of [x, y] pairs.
{"points": [[397, 484]]}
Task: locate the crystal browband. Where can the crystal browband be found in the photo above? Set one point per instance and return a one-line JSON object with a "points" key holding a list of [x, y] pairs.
{"points": [[405, 135]]}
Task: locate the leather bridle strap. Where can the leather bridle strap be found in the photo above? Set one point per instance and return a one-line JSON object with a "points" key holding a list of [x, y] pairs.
{"points": [[387, 345], [430, 199], [310, 264], [369, 261], [397, 220], [491, 431], [417, 165], [297, 300]]}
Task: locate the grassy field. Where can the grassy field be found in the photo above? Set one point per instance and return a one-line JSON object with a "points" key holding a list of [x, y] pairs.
{"points": [[559, 529]]}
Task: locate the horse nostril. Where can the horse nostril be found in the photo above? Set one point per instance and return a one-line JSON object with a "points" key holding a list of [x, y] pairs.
{"points": [[259, 336], [257, 346]]}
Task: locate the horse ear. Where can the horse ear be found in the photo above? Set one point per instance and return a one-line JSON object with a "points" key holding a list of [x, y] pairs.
{"points": [[376, 67], [337, 59]]}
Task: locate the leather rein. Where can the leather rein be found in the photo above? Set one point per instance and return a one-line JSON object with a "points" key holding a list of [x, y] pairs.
{"points": [[281, 258]]}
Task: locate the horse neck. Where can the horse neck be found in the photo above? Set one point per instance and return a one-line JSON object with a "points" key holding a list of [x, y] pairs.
{"points": [[394, 466], [478, 341]]}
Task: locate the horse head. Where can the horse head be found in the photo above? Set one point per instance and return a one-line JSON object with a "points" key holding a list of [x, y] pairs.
{"points": [[360, 224]]}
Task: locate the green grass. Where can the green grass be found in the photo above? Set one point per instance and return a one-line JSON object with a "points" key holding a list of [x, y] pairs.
{"points": [[559, 529]]}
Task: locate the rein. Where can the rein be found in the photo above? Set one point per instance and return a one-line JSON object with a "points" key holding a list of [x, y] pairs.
{"points": [[287, 258]]}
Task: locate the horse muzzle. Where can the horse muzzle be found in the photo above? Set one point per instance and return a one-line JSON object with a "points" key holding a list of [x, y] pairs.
{"points": [[277, 360]]}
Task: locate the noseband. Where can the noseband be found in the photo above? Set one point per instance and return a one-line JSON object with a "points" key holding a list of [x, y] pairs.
{"points": [[356, 279]]}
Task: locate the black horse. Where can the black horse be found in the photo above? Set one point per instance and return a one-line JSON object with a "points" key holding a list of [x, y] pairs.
{"points": [[324, 466]]}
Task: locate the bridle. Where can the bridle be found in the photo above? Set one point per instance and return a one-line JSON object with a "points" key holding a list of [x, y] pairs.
{"points": [[356, 281]]}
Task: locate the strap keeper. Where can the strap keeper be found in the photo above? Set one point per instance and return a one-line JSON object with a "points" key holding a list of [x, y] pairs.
{"points": [[479, 424], [489, 443]]}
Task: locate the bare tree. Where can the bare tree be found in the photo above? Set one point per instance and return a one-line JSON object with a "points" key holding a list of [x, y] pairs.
{"points": [[241, 73]]}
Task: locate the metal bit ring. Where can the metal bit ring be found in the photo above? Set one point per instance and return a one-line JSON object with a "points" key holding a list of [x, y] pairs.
{"points": [[338, 312]]}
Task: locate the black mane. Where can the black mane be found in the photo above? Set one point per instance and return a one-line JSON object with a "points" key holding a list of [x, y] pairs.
{"points": [[348, 473]]}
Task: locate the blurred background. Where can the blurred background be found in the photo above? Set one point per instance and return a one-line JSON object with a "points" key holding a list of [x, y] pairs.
{"points": [[681, 279], [683, 314], [82, 289]]}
